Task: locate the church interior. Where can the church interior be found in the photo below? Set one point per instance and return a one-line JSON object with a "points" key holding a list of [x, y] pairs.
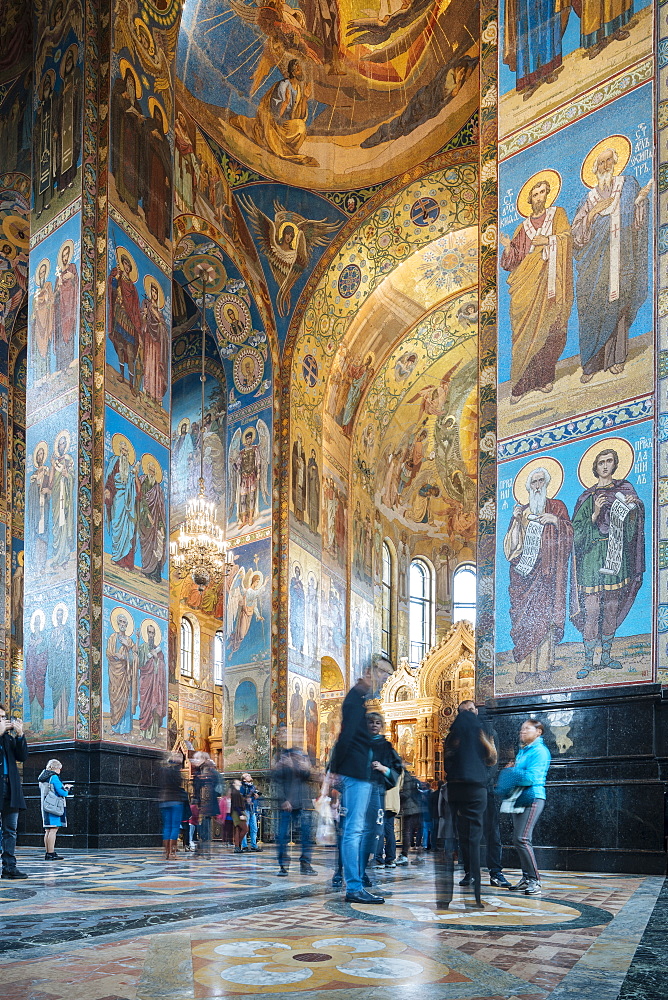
{"points": [[332, 335]]}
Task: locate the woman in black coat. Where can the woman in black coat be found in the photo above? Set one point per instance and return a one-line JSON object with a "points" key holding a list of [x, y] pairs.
{"points": [[386, 767]]}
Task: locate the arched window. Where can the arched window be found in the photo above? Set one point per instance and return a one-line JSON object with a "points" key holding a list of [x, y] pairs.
{"points": [[386, 611], [420, 610], [186, 648], [218, 657], [464, 593]]}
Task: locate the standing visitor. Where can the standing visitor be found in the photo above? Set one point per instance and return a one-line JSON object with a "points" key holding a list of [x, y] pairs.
{"points": [[172, 800], [411, 816], [386, 768], [49, 781], [239, 806], [292, 775], [351, 760], [468, 753], [532, 762], [205, 787], [252, 795], [13, 748], [386, 852]]}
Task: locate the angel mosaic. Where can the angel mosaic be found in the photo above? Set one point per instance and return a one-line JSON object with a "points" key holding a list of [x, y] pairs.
{"points": [[244, 604], [153, 47], [249, 463], [287, 241]]}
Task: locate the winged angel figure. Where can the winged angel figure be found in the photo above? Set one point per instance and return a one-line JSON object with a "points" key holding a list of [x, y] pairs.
{"points": [[244, 603], [287, 241], [249, 456], [154, 48]]}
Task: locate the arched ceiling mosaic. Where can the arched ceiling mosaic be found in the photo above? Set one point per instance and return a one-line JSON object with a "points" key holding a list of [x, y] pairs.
{"points": [[411, 253], [330, 94]]}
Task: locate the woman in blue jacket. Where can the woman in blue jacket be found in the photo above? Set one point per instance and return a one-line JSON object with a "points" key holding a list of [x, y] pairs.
{"points": [[533, 758], [52, 823]]}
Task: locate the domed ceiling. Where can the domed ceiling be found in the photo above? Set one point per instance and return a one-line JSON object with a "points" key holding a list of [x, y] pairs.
{"points": [[330, 94]]}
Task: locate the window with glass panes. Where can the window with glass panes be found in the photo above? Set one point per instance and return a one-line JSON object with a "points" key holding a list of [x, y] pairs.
{"points": [[186, 648], [386, 594], [464, 593], [420, 611], [218, 658]]}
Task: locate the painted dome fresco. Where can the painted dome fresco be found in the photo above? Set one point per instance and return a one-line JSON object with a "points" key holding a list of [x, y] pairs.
{"points": [[330, 94]]}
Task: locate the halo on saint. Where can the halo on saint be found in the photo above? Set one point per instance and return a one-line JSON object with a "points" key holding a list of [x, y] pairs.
{"points": [[20, 558], [49, 75], [121, 254], [186, 421], [551, 466], [249, 430], [45, 262], [67, 243], [17, 231], [295, 230], [551, 177], [619, 144], [39, 614], [149, 283], [60, 606], [143, 630], [622, 449], [59, 436], [45, 448], [147, 459], [9, 253], [152, 104], [142, 29], [114, 616], [250, 576], [116, 442], [74, 49], [126, 67]]}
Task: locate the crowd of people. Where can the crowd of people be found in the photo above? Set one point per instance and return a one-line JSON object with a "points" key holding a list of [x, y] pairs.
{"points": [[366, 788]]}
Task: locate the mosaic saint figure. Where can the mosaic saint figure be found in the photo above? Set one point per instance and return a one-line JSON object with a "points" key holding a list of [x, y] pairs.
{"points": [[42, 319], [68, 120], [120, 498], [65, 304], [312, 615], [609, 549], [155, 341], [152, 519], [602, 23], [313, 492], [60, 665], [156, 176], [62, 502], [44, 154], [538, 546], [36, 664], [297, 715], [299, 477], [359, 374], [182, 451], [533, 30], [127, 123], [122, 672], [280, 124], [611, 247], [297, 609], [249, 467], [540, 283], [38, 507], [184, 153], [311, 723], [125, 314], [152, 682], [244, 604]]}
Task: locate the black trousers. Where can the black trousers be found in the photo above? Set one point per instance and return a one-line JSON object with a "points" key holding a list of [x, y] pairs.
{"points": [[468, 803], [492, 835]]}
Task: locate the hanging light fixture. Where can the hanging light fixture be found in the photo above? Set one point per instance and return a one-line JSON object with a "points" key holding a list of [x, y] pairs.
{"points": [[200, 550]]}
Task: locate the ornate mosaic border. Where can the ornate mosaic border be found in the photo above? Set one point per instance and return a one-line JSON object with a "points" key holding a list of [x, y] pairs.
{"points": [[661, 280]]}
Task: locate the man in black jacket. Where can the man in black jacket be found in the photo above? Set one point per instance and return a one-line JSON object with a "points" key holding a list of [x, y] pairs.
{"points": [[13, 748], [351, 759]]}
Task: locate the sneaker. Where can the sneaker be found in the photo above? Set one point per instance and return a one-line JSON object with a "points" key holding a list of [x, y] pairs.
{"points": [[467, 880], [500, 881], [337, 881], [402, 860], [533, 888], [258, 850], [14, 873], [282, 871], [378, 864], [307, 869], [521, 885], [390, 864]]}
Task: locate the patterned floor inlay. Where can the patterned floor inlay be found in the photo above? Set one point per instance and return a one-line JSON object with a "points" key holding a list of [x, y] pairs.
{"points": [[132, 927]]}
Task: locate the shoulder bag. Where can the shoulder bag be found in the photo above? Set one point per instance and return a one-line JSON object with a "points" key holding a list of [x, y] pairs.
{"points": [[54, 804]]}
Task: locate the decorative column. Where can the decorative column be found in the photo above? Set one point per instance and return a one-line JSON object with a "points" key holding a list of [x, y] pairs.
{"points": [[97, 438]]}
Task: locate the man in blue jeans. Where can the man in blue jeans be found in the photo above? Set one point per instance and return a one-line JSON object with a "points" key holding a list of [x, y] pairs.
{"points": [[352, 759], [13, 748], [251, 794], [292, 774]]}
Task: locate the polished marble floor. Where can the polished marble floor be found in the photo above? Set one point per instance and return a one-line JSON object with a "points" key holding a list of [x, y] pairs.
{"points": [[110, 925]]}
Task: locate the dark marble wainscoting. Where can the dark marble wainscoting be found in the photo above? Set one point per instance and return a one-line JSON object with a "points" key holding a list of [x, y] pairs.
{"points": [[646, 978], [115, 802], [607, 784]]}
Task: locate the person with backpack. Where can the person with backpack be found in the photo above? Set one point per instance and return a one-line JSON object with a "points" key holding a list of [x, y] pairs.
{"points": [[53, 794]]}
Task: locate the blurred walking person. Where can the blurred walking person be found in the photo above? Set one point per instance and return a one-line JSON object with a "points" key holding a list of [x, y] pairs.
{"points": [[532, 763], [411, 817], [351, 760], [13, 748], [252, 795], [386, 766], [173, 800], [239, 806], [468, 753], [205, 785], [50, 785], [292, 774]]}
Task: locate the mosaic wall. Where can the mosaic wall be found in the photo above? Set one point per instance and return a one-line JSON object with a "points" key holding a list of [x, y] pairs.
{"points": [[662, 346], [576, 350]]}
